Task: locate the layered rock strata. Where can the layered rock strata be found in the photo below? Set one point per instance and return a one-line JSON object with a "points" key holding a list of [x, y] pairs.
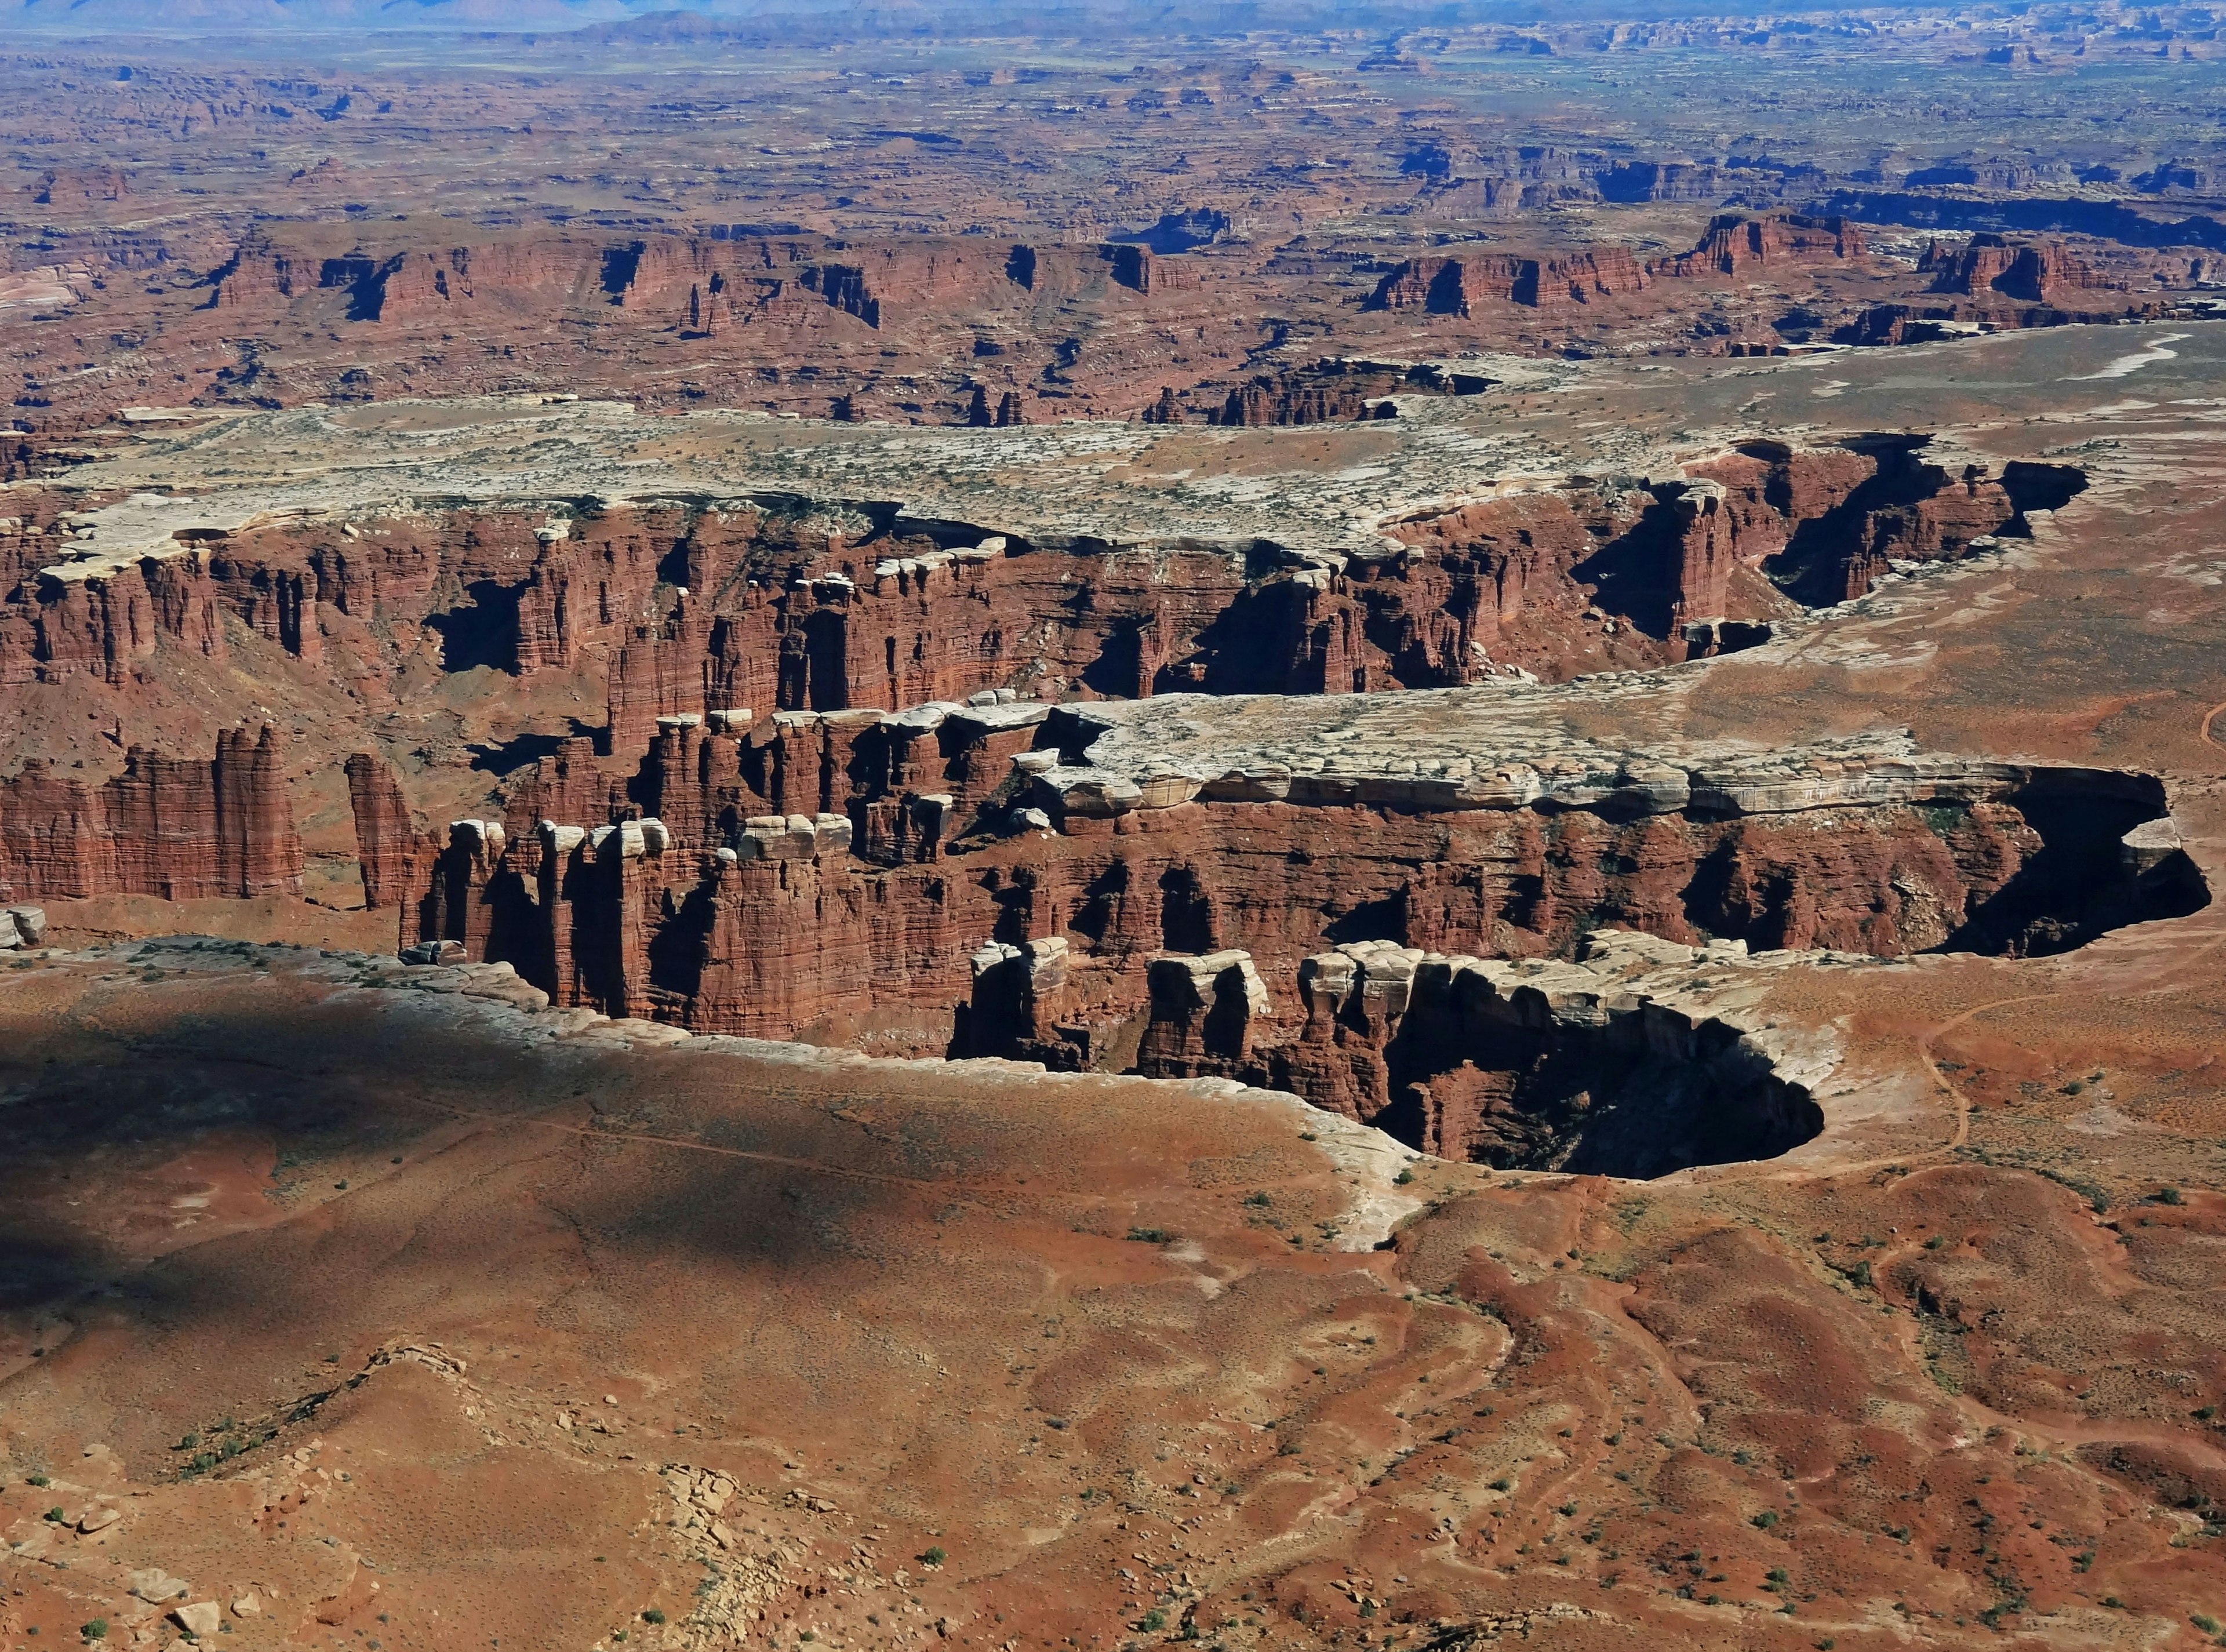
{"points": [[1625, 1061], [179, 828], [778, 603], [1732, 245], [1029, 862]]}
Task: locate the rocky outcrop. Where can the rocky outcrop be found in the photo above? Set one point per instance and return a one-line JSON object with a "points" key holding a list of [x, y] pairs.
{"points": [[1733, 244], [1051, 872], [174, 826], [2034, 272], [1449, 286], [1608, 1065], [1018, 1005], [772, 602], [1206, 1011], [387, 839]]}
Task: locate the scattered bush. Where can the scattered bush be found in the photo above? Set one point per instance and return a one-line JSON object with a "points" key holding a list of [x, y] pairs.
{"points": [[1403, 1176], [95, 1630], [652, 1616], [932, 1556], [1765, 1521], [1154, 1619]]}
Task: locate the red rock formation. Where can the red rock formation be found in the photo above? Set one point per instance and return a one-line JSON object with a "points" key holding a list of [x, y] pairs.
{"points": [[1445, 286], [1205, 1010], [2039, 272], [387, 838], [102, 622], [175, 827], [1018, 1006], [1261, 402], [1733, 243], [1603, 272], [1437, 285], [1563, 1069], [850, 865], [257, 277]]}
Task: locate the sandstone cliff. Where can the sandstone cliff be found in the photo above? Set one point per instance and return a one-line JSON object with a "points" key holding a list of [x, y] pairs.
{"points": [[175, 827]]}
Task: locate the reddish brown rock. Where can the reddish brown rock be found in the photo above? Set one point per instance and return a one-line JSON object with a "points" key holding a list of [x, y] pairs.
{"points": [[1734, 243], [2036, 272], [387, 837], [175, 827]]}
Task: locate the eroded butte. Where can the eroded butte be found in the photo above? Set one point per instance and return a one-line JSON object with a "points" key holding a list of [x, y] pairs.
{"points": [[876, 931]]}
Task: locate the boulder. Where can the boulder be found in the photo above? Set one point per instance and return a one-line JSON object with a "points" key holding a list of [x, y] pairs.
{"points": [[201, 1619]]}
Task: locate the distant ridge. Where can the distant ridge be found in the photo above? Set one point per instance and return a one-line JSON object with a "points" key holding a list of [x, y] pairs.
{"points": [[656, 22]]}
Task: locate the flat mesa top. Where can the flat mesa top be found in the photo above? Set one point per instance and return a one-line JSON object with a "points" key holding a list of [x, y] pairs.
{"points": [[1325, 488]]}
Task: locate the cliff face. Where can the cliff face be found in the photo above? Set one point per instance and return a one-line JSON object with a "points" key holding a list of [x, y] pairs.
{"points": [[174, 826], [1447, 286], [1732, 245], [388, 842], [749, 648], [855, 865], [1566, 1066], [2035, 272]]}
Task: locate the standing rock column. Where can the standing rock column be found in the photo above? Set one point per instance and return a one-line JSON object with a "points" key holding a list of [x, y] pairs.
{"points": [[385, 836], [1203, 1014], [258, 850]]}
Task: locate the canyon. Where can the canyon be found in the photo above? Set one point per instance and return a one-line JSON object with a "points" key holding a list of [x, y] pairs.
{"points": [[1293, 829]]}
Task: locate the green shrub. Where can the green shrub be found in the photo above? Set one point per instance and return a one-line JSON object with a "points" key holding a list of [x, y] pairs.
{"points": [[1154, 1619], [931, 1556], [95, 1630], [652, 1616], [1765, 1521], [1403, 1176]]}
